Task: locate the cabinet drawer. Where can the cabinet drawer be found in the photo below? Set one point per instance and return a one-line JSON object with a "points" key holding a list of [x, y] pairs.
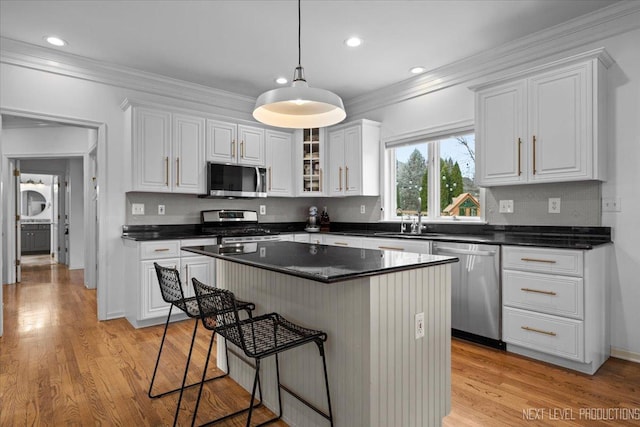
{"points": [[160, 249], [556, 261], [196, 242], [559, 295], [542, 332]]}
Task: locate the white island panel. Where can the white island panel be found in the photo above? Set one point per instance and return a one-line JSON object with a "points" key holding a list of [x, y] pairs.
{"points": [[379, 374]]}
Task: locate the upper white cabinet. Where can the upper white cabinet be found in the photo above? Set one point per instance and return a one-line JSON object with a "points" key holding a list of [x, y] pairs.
{"points": [[354, 159], [168, 151], [232, 143], [544, 125], [279, 163]]}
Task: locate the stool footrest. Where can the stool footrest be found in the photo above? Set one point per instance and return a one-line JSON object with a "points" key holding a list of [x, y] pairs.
{"points": [[306, 402]]}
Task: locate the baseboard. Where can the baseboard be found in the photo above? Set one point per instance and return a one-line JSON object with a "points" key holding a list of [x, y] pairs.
{"points": [[625, 354]]}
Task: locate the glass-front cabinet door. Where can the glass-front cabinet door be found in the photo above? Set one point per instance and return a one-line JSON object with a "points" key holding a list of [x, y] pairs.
{"points": [[312, 161]]}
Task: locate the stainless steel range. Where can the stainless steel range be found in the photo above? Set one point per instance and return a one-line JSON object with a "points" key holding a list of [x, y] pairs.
{"points": [[235, 226]]}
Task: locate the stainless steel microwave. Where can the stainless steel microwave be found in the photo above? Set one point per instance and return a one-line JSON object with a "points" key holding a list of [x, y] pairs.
{"points": [[231, 181]]}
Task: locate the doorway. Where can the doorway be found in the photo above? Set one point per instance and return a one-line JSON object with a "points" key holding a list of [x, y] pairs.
{"points": [[84, 160]]}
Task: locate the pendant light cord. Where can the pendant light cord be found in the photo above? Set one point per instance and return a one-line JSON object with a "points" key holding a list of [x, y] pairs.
{"points": [[299, 32]]}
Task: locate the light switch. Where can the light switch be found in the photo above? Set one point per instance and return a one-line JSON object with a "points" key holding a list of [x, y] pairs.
{"points": [[506, 206], [137, 209]]}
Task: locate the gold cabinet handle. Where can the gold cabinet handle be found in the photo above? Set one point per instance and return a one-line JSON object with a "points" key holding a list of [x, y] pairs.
{"points": [[320, 184], [161, 250], [341, 243], [519, 157], [242, 149], [537, 291], [178, 172], [346, 178], [233, 148], [540, 331], [270, 178], [186, 270], [166, 171], [534, 154], [340, 177], [547, 261], [390, 248]]}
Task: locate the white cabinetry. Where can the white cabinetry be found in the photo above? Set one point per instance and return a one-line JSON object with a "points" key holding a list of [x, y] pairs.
{"points": [[544, 125], [168, 151], [145, 305], [279, 163], [338, 240], [354, 159], [404, 245], [555, 305], [233, 143]]}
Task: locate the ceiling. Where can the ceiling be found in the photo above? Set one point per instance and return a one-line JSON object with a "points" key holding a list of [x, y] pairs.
{"points": [[242, 46]]}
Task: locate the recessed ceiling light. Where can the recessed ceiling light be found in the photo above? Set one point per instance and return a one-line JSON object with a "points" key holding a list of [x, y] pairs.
{"points": [[353, 41], [282, 81], [417, 70], [56, 41]]}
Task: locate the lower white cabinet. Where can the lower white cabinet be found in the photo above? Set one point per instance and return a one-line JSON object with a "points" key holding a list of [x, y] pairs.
{"points": [[404, 245], [145, 305], [555, 305], [338, 240]]}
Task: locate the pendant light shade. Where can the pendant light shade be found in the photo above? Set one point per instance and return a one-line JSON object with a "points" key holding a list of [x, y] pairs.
{"points": [[299, 106]]}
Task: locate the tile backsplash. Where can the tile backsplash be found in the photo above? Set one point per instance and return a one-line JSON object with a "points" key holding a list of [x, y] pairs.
{"points": [[185, 208], [580, 204]]}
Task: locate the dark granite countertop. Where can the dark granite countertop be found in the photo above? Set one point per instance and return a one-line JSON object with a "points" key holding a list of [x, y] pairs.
{"points": [[563, 237], [326, 264]]}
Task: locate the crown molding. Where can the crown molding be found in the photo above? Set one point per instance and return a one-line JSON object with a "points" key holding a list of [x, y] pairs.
{"points": [[429, 134], [495, 63], [27, 55]]}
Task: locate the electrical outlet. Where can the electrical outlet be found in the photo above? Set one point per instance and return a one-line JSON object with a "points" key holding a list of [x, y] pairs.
{"points": [[263, 210], [611, 204], [420, 325], [554, 205], [160, 209], [506, 206], [362, 209], [137, 209]]}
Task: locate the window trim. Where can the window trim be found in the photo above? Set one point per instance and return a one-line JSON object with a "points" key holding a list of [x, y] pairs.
{"points": [[425, 135]]}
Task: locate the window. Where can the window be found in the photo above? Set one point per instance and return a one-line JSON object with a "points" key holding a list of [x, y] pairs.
{"points": [[441, 190]]}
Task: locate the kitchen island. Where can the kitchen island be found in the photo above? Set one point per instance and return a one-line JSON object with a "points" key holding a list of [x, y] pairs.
{"points": [[380, 372]]}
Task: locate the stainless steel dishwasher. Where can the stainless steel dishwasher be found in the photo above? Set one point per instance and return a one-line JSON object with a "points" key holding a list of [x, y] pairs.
{"points": [[475, 291]]}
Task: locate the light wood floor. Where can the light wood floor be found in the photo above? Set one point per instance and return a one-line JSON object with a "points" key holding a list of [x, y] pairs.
{"points": [[59, 366]]}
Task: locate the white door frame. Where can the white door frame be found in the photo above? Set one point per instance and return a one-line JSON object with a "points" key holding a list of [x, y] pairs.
{"points": [[99, 229]]}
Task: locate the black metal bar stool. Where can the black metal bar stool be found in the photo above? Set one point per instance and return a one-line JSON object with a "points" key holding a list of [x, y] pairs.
{"points": [[258, 337], [173, 293]]}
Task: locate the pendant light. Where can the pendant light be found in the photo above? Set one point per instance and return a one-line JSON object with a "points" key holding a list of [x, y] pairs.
{"points": [[299, 106]]}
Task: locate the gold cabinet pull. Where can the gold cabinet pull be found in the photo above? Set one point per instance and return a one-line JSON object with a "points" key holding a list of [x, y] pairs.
{"points": [[178, 172], [270, 178], [320, 184], [341, 243], [547, 261], [519, 157], [186, 270], [534, 154], [166, 171], [340, 177], [242, 149], [346, 178], [537, 291], [390, 248], [540, 331], [161, 250], [233, 148]]}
